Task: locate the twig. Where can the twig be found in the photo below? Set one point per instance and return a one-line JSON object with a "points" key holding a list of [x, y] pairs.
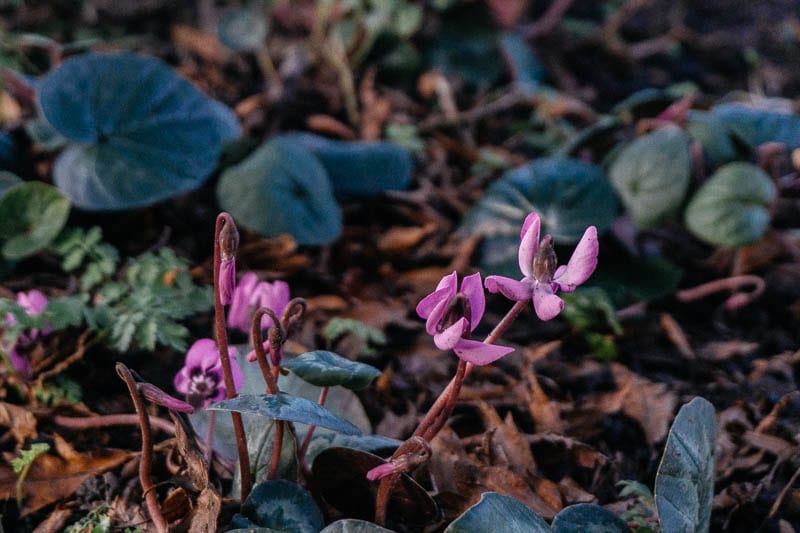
{"points": [[548, 22], [735, 283], [91, 422], [147, 451], [476, 113], [227, 374], [782, 495]]}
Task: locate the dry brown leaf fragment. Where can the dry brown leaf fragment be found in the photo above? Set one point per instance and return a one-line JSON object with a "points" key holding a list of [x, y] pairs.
{"points": [[55, 477], [545, 412], [19, 420], [399, 240], [506, 435]]}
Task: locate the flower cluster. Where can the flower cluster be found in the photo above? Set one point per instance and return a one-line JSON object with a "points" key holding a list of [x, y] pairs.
{"points": [[452, 315], [200, 378], [34, 303]]}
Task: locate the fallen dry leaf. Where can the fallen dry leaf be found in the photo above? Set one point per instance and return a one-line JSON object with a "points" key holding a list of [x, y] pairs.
{"points": [[21, 422], [507, 437], [54, 477]]}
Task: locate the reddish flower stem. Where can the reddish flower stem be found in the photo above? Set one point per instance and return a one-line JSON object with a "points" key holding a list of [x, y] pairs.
{"points": [[735, 283], [227, 373], [90, 422], [323, 395], [147, 451], [277, 446]]}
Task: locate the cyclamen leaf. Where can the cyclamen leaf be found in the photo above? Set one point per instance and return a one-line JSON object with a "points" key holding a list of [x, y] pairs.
{"points": [[282, 406], [588, 518], [282, 188], [142, 133], [731, 208], [280, 505], [359, 169], [353, 525], [652, 175], [327, 369], [484, 516], [756, 126], [685, 477], [33, 214]]}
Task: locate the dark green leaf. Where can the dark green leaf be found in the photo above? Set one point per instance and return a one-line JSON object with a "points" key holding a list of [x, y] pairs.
{"points": [[588, 518], [359, 169], [756, 126], [8, 180], [569, 196], [280, 505], [282, 188], [627, 280], [731, 208], [352, 525], [685, 477], [714, 135], [499, 514], [282, 406], [142, 133], [32, 215], [652, 175], [327, 369]]}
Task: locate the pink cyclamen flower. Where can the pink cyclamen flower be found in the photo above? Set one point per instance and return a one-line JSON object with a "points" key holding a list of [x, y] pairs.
{"points": [[34, 303], [452, 315], [541, 279], [201, 378], [250, 294], [381, 471]]}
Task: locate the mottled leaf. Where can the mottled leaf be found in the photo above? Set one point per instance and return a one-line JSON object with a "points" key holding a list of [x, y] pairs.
{"points": [[731, 208], [486, 516], [32, 215], [282, 188], [280, 505], [282, 406], [588, 518], [685, 477], [652, 175], [327, 369], [352, 525], [141, 132]]}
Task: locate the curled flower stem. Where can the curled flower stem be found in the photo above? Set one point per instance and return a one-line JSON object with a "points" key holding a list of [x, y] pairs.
{"points": [[147, 451], [737, 300], [410, 455], [227, 373], [258, 347]]}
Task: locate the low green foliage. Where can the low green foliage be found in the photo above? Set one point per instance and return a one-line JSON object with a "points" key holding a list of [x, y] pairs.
{"points": [[85, 250], [338, 327], [22, 464]]}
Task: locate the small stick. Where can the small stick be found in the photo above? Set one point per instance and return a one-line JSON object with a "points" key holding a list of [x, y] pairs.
{"points": [[147, 451], [734, 283], [90, 422]]}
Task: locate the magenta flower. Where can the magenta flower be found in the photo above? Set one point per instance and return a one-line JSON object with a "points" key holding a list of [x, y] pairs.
{"points": [[227, 280], [541, 279], [381, 471], [201, 379], [250, 294], [452, 315]]}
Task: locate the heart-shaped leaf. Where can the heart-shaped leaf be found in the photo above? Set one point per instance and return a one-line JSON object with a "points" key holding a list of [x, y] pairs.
{"points": [[142, 132], [569, 196], [588, 518], [714, 135], [484, 516], [652, 174], [327, 369], [282, 188], [352, 525], [685, 477], [33, 214], [730, 209], [359, 169], [279, 505], [756, 126], [282, 406]]}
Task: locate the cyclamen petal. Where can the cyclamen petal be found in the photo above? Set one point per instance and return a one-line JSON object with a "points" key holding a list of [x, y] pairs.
{"points": [[472, 288], [447, 339], [227, 280], [546, 304], [529, 243], [380, 471], [582, 263], [510, 288], [479, 353], [445, 290]]}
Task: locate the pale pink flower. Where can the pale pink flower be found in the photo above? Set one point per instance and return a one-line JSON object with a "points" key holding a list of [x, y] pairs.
{"points": [[251, 294], [201, 378], [452, 315], [541, 279]]}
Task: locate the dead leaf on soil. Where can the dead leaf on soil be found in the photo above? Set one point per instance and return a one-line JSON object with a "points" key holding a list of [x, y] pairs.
{"points": [[21, 422], [651, 404], [505, 435], [54, 477]]}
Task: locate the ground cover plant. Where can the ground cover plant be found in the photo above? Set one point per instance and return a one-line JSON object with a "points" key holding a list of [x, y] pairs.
{"points": [[368, 265]]}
